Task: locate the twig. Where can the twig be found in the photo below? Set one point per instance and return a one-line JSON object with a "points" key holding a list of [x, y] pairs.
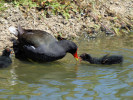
{"points": [[107, 28]]}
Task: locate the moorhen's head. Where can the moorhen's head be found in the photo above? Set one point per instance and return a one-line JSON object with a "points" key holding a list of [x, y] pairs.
{"points": [[6, 52], [70, 47], [85, 57], [74, 50], [74, 53]]}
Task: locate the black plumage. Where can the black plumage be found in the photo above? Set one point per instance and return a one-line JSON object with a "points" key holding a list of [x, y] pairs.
{"points": [[106, 60], [5, 59], [41, 46]]}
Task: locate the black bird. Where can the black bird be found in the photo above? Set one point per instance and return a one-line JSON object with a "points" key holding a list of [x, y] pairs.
{"points": [[106, 60], [5, 59], [40, 46]]}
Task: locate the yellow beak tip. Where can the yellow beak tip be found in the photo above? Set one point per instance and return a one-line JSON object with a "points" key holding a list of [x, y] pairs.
{"points": [[76, 59]]}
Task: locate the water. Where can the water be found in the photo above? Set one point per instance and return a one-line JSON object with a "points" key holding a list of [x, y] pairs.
{"points": [[67, 80]]}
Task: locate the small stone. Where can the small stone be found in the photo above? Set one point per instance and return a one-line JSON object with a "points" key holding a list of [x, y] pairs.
{"points": [[111, 2], [117, 3]]}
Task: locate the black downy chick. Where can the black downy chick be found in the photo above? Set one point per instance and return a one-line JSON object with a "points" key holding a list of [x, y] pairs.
{"points": [[5, 59], [106, 60]]}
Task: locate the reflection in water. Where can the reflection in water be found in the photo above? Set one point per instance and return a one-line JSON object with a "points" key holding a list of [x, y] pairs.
{"points": [[52, 77], [66, 80]]}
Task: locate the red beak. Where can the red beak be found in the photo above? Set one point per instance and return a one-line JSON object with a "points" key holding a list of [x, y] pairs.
{"points": [[76, 56]]}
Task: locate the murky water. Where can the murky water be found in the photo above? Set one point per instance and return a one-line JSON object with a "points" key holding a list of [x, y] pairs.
{"points": [[67, 80]]}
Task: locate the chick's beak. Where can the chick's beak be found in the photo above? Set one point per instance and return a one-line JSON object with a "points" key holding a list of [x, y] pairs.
{"points": [[80, 59], [76, 56]]}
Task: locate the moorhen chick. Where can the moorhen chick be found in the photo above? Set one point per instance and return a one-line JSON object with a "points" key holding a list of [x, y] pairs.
{"points": [[106, 60], [5, 59]]}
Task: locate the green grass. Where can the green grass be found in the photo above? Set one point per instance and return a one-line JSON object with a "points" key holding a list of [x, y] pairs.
{"points": [[24, 3], [2, 7], [62, 7]]}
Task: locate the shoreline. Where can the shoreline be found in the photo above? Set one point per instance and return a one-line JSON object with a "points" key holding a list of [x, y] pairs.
{"points": [[91, 23]]}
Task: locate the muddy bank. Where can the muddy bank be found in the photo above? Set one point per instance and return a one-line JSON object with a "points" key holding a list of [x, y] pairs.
{"points": [[33, 19], [104, 19]]}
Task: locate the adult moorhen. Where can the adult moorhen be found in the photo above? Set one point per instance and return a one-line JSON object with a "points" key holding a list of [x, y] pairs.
{"points": [[106, 60], [5, 59], [40, 46]]}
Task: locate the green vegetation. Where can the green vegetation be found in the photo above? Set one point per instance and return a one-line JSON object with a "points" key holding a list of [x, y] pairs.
{"points": [[2, 7], [62, 7], [20, 2]]}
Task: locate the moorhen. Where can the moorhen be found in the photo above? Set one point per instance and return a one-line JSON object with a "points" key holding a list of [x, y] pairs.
{"points": [[106, 59], [40, 46], [5, 59]]}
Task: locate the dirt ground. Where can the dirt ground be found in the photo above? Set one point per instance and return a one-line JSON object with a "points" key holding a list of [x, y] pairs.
{"points": [[32, 19]]}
